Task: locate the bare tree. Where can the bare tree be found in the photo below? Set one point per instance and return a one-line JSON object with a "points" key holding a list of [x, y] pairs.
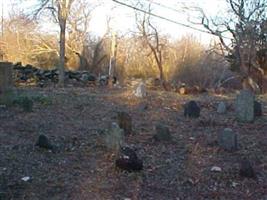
{"points": [[60, 9], [244, 24], [78, 31], [150, 36]]}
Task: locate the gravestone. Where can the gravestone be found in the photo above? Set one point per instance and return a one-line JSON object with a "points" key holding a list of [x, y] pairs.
{"points": [[221, 109], [114, 137], [162, 133], [246, 169], [125, 122], [5, 76], [244, 106], [140, 90], [191, 110], [257, 109], [227, 139], [43, 142]]}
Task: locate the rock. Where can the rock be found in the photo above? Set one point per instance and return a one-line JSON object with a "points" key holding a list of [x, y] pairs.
{"points": [[140, 90], [244, 106], [157, 82], [84, 77], [87, 77], [182, 90], [221, 109], [257, 109], [216, 169], [125, 122], [128, 160], [246, 169], [26, 178], [43, 142], [227, 140], [103, 80], [3, 107], [162, 133], [114, 137], [191, 109]]}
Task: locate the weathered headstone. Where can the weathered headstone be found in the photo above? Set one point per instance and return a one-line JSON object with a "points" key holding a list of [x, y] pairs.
{"points": [[227, 139], [43, 142], [140, 90], [162, 133], [221, 109], [257, 109], [191, 109], [125, 122], [114, 137], [246, 169], [5, 76], [244, 106]]}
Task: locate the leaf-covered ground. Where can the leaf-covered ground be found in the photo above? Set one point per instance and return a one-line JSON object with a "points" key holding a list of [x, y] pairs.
{"points": [[83, 168]]}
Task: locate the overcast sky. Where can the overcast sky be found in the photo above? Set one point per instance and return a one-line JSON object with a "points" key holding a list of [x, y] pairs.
{"points": [[123, 17]]}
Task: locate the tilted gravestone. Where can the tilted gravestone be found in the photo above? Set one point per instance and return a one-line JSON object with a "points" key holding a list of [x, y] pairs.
{"points": [[246, 169], [227, 139], [125, 122], [114, 137], [244, 106], [162, 133], [5, 77]]}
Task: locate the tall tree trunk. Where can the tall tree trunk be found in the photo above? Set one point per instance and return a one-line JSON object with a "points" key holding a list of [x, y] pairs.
{"points": [[62, 54]]}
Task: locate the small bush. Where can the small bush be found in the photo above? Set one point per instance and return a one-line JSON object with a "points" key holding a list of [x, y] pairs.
{"points": [[7, 98], [44, 100], [24, 102]]}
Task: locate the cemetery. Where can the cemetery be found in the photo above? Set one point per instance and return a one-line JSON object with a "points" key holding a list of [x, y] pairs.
{"points": [[95, 142], [133, 100]]}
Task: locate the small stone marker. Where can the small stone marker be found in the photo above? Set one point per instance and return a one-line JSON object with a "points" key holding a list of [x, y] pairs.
{"points": [[26, 178], [114, 137], [257, 109], [43, 142], [140, 90], [216, 169], [162, 133], [221, 109], [191, 109], [244, 106], [227, 139], [125, 122], [246, 169]]}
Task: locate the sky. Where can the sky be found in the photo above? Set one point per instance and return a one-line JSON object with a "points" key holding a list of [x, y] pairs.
{"points": [[123, 18]]}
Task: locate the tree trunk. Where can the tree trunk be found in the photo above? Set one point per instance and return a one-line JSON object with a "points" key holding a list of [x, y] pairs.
{"points": [[162, 78], [61, 66]]}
